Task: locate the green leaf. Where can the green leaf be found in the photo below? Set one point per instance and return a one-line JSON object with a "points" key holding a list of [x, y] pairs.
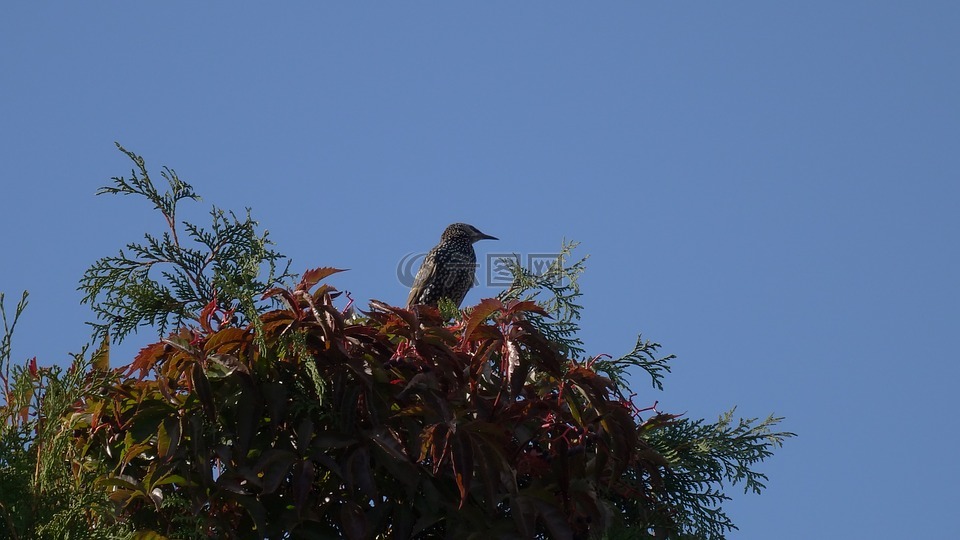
{"points": [[101, 358]]}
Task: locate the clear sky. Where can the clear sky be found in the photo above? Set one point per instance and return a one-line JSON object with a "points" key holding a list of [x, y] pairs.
{"points": [[769, 189]]}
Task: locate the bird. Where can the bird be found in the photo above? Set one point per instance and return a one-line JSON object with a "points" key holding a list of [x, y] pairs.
{"points": [[448, 269]]}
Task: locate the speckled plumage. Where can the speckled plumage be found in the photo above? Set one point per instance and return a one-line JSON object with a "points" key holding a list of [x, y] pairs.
{"points": [[448, 269]]}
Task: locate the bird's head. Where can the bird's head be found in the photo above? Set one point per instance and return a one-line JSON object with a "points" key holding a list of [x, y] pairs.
{"points": [[459, 231]]}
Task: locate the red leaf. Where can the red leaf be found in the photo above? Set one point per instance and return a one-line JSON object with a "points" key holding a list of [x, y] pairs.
{"points": [[620, 434], [408, 316], [555, 519], [353, 521], [392, 456], [484, 309], [517, 306], [360, 473], [461, 453], [207, 313], [146, 359], [273, 467], [485, 331], [273, 320], [202, 386], [270, 293], [227, 340], [314, 275], [303, 478], [428, 443], [597, 386], [289, 298], [524, 513]]}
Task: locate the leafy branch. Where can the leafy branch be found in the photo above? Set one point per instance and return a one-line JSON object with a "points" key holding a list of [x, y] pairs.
{"points": [[703, 456], [42, 493], [644, 355], [165, 281], [5, 341], [556, 290]]}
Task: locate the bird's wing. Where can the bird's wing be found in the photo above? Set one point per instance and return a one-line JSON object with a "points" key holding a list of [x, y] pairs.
{"points": [[424, 276]]}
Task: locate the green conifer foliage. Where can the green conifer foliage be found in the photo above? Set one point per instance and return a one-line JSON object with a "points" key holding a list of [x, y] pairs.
{"points": [[46, 491]]}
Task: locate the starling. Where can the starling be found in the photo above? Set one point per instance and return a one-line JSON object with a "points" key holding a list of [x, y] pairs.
{"points": [[448, 269]]}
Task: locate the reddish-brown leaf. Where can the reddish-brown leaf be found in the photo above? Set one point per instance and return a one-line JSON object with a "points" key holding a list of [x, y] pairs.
{"points": [[620, 434], [394, 458], [555, 519], [407, 316], [353, 521], [461, 454], [485, 331], [597, 386], [543, 353], [202, 387], [206, 314], [228, 340], [273, 467], [289, 298], [517, 306], [480, 313], [360, 473], [314, 275], [524, 512], [146, 359], [249, 413], [276, 320], [303, 477]]}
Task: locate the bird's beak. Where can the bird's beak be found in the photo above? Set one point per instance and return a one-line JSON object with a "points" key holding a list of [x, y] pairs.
{"points": [[482, 236]]}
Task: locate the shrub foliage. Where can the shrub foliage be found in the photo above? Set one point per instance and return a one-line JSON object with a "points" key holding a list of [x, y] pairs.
{"points": [[300, 419]]}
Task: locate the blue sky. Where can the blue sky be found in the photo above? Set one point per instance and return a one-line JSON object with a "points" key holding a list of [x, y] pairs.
{"points": [[770, 190]]}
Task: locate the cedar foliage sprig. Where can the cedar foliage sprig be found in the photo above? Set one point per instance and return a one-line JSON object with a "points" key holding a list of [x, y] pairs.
{"points": [[557, 290], [704, 456], [42, 494], [685, 498], [645, 356], [165, 280]]}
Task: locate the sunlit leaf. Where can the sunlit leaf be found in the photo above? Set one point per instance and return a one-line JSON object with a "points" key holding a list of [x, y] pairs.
{"points": [[480, 313], [226, 340], [313, 276], [101, 359]]}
